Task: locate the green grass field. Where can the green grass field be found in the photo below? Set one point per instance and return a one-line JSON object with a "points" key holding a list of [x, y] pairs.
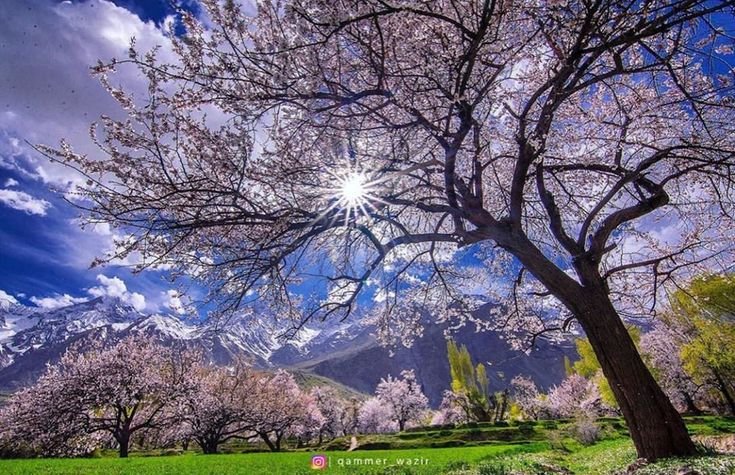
{"points": [[543, 448], [430, 461]]}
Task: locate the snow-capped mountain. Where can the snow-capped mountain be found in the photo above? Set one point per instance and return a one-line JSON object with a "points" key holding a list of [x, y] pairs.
{"points": [[31, 337], [344, 352]]}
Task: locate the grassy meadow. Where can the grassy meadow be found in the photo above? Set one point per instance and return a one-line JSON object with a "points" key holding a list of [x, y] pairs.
{"points": [[533, 449]]}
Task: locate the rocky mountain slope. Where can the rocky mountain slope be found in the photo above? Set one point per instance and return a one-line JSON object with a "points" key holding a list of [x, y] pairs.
{"points": [[345, 352]]}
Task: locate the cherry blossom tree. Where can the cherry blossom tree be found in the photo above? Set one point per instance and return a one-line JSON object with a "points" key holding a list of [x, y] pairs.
{"points": [[121, 391], [332, 409], [527, 396], [375, 417], [403, 397], [350, 416], [451, 411], [570, 397], [660, 349], [217, 410], [584, 149], [278, 408]]}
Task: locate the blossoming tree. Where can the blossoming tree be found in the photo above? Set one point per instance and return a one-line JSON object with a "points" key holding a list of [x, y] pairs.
{"points": [[584, 149], [218, 409], [126, 389], [402, 397]]}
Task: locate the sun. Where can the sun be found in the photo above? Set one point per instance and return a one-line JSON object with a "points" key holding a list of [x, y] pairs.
{"points": [[353, 190], [352, 196]]}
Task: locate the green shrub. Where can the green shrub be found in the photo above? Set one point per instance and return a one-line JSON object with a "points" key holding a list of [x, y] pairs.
{"points": [[550, 424], [376, 446]]}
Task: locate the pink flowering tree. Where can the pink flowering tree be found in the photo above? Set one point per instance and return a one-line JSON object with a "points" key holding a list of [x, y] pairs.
{"points": [[451, 410], [38, 421], [661, 347], [332, 409], [527, 396], [403, 397], [584, 149], [375, 417], [120, 391], [278, 408], [574, 395], [217, 410], [350, 416]]}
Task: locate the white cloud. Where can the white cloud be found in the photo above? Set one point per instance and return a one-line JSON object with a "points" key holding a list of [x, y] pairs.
{"points": [[115, 287], [172, 301], [57, 301], [24, 202], [6, 300], [47, 90], [9, 183]]}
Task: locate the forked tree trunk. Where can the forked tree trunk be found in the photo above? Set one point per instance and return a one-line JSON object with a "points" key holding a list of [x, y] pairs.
{"points": [[657, 429], [691, 406]]}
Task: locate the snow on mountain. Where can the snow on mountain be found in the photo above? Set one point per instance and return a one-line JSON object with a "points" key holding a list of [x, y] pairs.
{"points": [[346, 352], [30, 337]]}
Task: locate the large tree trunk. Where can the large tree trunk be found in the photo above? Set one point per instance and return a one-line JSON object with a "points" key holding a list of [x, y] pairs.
{"points": [[124, 441], [266, 438], [657, 429], [209, 445]]}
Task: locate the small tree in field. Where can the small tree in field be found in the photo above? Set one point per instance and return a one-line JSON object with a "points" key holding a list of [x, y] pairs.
{"points": [[660, 348], [374, 417], [120, 391], [278, 408], [527, 396], [584, 149], [217, 410], [403, 398], [575, 395], [332, 409], [451, 411]]}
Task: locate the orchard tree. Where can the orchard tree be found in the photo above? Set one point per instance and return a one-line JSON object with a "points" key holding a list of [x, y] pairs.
{"points": [[217, 410], [123, 390], [374, 417], [332, 409], [451, 410], [350, 416], [34, 421], [660, 348], [575, 395], [403, 398], [527, 396], [278, 408], [584, 149]]}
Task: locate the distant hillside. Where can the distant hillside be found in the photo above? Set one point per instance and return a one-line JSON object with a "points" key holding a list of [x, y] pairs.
{"points": [[363, 364], [347, 353]]}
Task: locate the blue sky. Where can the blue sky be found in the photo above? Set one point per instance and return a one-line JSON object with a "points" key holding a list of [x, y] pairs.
{"points": [[46, 93]]}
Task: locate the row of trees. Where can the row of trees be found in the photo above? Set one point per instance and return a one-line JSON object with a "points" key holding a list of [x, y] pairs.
{"points": [[140, 391]]}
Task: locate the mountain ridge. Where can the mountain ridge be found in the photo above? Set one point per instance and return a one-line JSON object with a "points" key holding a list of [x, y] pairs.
{"points": [[346, 352]]}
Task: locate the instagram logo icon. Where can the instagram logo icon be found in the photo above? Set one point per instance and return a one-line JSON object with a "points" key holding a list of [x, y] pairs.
{"points": [[318, 462]]}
